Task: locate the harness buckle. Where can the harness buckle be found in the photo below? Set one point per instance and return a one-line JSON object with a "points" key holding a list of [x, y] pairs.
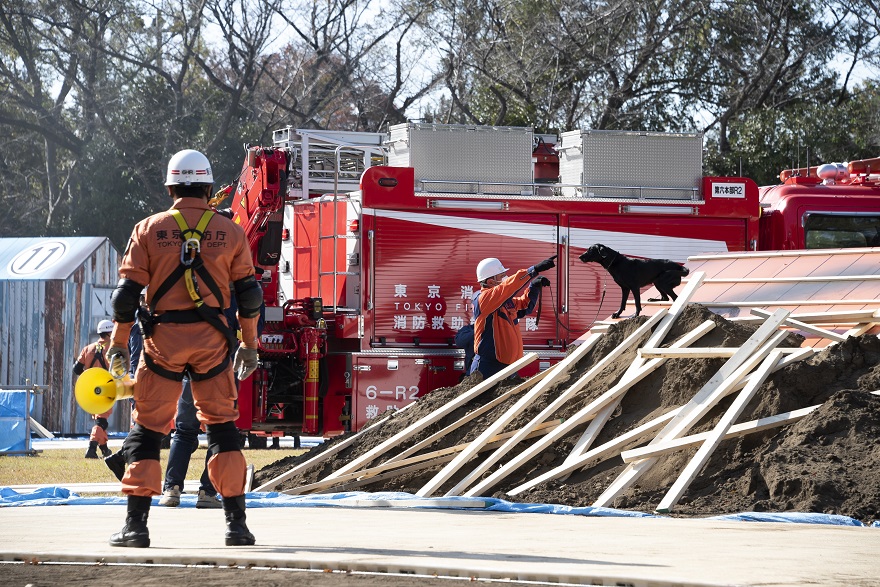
{"points": [[188, 251]]}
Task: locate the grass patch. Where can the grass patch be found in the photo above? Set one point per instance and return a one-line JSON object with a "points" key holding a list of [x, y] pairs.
{"points": [[60, 466]]}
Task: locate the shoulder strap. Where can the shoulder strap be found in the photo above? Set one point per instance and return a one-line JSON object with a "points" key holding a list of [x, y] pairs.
{"points": [[98, 357], [199, 231], [191, 247]]}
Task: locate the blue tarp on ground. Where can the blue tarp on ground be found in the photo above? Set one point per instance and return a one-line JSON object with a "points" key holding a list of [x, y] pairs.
{"points": [[14, 413], [61, 496]]}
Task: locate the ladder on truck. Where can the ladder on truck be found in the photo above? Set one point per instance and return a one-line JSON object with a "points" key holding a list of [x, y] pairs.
{"points": [[327, 166]]}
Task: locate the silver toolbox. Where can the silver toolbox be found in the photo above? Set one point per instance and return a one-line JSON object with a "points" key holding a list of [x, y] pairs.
{"points": [[464, 159], [629, 164]]}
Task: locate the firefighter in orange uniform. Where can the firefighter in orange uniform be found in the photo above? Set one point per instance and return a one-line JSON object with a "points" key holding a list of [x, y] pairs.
{"points": [[188, 256], [497, 310], [92, 355]]}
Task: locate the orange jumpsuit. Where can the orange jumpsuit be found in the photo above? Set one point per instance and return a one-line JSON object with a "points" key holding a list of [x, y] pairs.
{"points": [[497, 337], [153, 253], [92, 355]]}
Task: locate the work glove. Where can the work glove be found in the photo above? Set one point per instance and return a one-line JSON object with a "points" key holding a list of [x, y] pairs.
{"points": [[245, 362], [545, 264], [540, 281], [118, 359]]}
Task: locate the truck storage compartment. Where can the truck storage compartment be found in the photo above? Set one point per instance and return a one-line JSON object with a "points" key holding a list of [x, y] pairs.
{"points": [[464, 159], [633, 165]]}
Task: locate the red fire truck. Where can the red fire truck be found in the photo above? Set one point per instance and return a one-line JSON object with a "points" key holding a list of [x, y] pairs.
{"points": [[367, 246], [834, 205]]}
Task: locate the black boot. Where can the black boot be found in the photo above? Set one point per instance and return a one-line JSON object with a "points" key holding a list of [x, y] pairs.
{"points": [[105, 452], [135, 533], [92, 453], [237, 533], [116, 464]]}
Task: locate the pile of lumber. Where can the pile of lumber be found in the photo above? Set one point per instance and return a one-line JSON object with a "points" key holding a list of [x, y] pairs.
{"points": [[496, 451]]}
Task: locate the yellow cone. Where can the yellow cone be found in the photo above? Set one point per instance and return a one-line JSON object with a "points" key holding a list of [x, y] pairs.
{"points": [[96, 390]]}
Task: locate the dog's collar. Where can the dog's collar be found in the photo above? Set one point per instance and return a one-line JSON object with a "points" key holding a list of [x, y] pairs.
{"points": [[613, 260]]}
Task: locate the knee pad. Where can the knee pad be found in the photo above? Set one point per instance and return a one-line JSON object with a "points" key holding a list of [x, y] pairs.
{"points": [[223, 438], [102, 422], [142, 444]]}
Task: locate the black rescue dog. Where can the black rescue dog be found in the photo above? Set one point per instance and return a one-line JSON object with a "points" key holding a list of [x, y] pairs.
{"points": [[633, 274]]}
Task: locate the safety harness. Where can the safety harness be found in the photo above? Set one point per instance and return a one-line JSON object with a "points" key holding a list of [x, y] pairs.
{"points": [[191, 269], [98, 357]]}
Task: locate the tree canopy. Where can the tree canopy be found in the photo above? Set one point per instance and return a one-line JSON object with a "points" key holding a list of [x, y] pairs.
{"points": [[98, 94]]}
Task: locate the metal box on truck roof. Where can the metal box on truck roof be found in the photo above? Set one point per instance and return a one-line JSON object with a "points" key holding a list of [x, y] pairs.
{"points": [[464, 159], [642, 165]]}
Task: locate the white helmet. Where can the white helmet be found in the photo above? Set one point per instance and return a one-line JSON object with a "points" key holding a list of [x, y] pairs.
{"points": [[489, 268], [105, 326], [188, 167]]}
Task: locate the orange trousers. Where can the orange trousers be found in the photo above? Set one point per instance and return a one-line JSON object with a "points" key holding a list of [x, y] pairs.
{"points": [[176, 347], [98, 435]]}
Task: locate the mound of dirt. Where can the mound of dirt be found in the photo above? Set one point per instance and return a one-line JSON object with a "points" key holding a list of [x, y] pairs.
{"points": [[826, 462]]}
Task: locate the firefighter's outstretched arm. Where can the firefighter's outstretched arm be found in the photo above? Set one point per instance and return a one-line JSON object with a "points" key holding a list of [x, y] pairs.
{"points": [[492, 298]]}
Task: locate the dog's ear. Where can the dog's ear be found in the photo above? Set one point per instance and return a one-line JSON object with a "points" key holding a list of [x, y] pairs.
{"points": [[601, 250]]}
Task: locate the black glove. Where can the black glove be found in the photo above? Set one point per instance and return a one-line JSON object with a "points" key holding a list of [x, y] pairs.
{"points": [[545, 264], [540, 281]]}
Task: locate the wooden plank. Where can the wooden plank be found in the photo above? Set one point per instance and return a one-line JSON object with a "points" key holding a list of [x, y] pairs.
{"points": [[557, 403], [612, 447], [361, 481], [473, 414], [40, 429], [595, 427], [324, 455], [804, 326], [733, 370], [788, 360], [430, 459], [675, 310], [248, 477], [735, 431], [705, 451], [699, 352], [581, 416], [657, 337], [829, 317], [860, 329], [559, 370], [438, 414], [591, 457]]}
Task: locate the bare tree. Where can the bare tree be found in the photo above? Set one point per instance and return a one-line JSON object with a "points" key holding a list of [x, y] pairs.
{"points": [[348, 67], [42, 66]]}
